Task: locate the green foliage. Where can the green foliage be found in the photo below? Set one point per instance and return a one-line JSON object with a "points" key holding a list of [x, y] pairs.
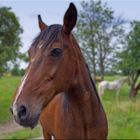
{"points": [[23, 57], [16, 71], [9, 37], [130, 56], [99, 34]]}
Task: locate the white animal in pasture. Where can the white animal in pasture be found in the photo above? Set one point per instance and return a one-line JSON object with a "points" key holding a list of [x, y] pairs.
{"points": [[111, 85]]}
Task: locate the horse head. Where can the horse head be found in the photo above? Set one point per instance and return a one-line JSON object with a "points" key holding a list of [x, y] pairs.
{"points": [[51, 69]]}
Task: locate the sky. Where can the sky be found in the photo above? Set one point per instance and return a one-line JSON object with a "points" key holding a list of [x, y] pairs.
{"points": [[52, 12]]}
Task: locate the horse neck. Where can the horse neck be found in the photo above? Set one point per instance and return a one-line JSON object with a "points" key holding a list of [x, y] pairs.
{"points": [[82, 95]]}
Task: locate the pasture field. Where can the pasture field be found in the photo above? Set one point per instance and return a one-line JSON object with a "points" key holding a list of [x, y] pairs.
{"points": [[123, 116], [7, 88]]}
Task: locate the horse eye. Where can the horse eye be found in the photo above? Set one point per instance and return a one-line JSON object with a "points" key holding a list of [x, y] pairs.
{"points": [[56, 52]]}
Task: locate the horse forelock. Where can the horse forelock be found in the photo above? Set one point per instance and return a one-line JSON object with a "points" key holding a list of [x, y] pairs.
{"points": [[47, 36]]}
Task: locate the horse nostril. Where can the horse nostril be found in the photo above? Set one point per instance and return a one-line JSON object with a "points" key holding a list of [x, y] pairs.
{"points": [[22, 112]]}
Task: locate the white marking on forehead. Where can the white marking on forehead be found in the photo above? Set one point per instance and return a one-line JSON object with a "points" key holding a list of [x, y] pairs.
{"points": [[40, 44], [18, 93]]}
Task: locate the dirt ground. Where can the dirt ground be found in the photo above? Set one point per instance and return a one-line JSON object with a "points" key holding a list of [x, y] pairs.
{"points": [[9, 128]]}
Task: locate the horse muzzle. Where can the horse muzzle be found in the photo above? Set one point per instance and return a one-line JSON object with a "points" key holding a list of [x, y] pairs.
{"points": [[23, 117]]}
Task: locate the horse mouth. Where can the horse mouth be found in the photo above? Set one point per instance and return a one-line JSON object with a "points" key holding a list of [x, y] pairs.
{"points": [[29, 121]]}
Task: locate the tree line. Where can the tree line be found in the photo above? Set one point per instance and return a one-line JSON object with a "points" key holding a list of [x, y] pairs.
{"points": [[106, 44]]}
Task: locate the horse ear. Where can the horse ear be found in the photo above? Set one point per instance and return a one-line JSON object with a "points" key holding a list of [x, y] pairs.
{"points": [[70, 18], [42, 25]]}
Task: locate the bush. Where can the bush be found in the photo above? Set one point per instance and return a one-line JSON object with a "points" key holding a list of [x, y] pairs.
{"points": [[16, 71]]}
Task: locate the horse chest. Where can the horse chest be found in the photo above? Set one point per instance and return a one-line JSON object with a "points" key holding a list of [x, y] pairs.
{"points": [[61, 120]]}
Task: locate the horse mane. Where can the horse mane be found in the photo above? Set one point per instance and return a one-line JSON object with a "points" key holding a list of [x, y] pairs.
{"points": [[93, 84]]}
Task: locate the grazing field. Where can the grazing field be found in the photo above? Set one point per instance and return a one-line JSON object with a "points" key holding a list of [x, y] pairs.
{"points": [[7, 88], [123, 116]]}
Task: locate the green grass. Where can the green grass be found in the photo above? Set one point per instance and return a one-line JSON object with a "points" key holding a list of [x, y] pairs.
{"points": [[24, 134], [7, 88], [123, 119], [123, 116]]}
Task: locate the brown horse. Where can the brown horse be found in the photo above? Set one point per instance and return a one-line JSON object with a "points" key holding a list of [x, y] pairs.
{"points": [[57, 87]]}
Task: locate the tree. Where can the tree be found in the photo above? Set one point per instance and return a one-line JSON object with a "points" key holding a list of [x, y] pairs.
{"points": [[16, 71], [99, 32], [10, 31], [130, 58]]}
